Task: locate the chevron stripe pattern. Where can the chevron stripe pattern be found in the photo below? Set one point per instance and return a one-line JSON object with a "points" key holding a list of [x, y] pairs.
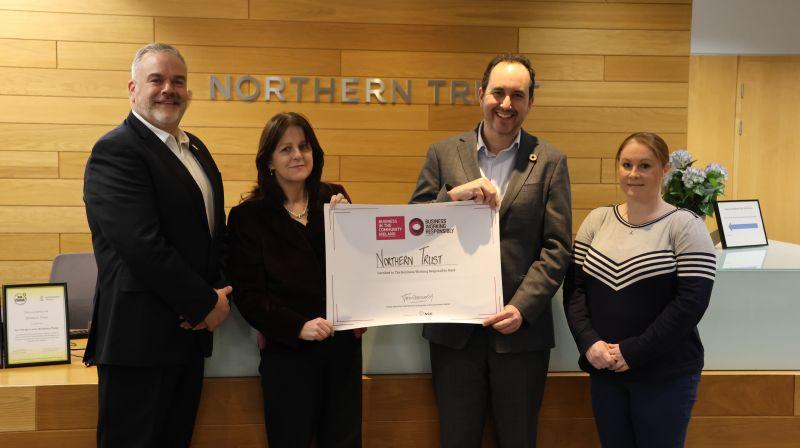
{"points": [[619, 275]]}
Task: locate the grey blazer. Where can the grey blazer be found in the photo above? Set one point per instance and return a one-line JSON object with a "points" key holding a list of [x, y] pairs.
{"points": [[535, 233]]}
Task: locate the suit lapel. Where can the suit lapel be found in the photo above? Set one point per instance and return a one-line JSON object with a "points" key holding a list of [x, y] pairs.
{"points": [[176, 167], [468, 153], [521, 170]]}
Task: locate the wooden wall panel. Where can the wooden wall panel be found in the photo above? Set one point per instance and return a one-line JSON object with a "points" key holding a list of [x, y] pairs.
{"points": [[75, 243], [592, 196], [28, 247], [234, 9], [78, 438], [66, 407], [41, 192], [50, 137], [797, 395], [27, 53], [24, 272], [571, 119], [38, 219], [454, 12], [712, 111], [231, 401], [647, 68], [605, 42], [584, 171], [18, 408], [609, 175], [80, 27], [295, 61], [97, 55], [28, 164], [377, 169], [743, 395], [416, 434], [409, 64], [615, 94], [744, 432], [345, 36], [236, 436], [379, 192], [600, 144]]}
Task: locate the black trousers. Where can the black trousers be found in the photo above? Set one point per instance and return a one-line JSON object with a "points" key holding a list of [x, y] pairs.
{"points": [[148, 406], [643, 414], [466, 380], [313, 393]]}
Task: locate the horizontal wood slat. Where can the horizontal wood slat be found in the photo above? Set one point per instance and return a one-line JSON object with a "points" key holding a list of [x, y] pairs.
{"points": [[71, 406], [399, 398], [381, 169], [41, 192], [461, 12], [234, 9], [379, 192], [605, 42], [744, 432], [344, 36], [17, 406], [50, 137], [600, 144], [41, 247], [593, 196], [28, 164], [235, 436], [75, 243], [27, 53], [38, 219], [584, 171], [80, 27], [21, 272], [75, 438], [231, 401], [745, 395], [609, 175], [463, 65], [617, 94], [647, 68], [571, 119]]}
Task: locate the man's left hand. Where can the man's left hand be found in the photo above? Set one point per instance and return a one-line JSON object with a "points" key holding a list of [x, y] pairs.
{"points": [[506, 321]]}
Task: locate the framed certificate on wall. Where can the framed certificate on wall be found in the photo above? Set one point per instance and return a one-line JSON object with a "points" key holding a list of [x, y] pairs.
{"points": [[740, 223], [35, 325]]}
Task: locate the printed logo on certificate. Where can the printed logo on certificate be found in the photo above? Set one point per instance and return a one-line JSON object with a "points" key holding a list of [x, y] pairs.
{"points": [[35, 325], [397, 264]]}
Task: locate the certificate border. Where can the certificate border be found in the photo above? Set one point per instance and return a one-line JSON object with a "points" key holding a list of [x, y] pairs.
{"points": [[721, 228], [332, 225], [68, 358]]}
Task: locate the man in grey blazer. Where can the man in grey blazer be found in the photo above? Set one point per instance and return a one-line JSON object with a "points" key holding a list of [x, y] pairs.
{"points": [[504, 362]]}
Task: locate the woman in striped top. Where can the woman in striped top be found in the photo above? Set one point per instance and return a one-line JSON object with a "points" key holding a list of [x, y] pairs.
{"points": [[639, 282]]}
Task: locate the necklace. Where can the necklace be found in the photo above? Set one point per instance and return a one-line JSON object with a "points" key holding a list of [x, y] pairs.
{"points": [[298, 216]]}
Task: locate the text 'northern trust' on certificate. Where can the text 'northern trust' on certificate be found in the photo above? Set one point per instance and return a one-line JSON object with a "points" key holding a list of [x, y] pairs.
{"points": [[397, 264]]}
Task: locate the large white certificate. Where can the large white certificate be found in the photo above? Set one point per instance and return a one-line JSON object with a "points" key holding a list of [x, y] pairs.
{"points": [[398, 264]]}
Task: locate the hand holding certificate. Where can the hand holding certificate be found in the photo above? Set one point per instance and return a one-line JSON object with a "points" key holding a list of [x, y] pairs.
{"points": [[397, 264]]}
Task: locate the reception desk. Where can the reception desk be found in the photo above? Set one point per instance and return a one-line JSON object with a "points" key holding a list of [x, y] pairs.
{"points": [[749, 395]]}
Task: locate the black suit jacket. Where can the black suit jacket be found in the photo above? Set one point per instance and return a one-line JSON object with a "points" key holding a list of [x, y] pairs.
{"points": [[535, 233], [157, 262], [277, 267]]}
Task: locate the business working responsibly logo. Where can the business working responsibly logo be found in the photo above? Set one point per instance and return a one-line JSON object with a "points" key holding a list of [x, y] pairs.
{"points": [[416, 227]]}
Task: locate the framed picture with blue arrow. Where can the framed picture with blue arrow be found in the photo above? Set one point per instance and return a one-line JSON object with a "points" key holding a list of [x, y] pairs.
{"points": [[740, 223]]}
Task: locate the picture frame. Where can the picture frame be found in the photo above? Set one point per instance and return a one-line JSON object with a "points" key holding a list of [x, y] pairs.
{"points": [[740, 223], [35, 328]]}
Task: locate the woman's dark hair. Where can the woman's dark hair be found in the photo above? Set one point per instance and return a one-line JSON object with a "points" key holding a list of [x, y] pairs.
{"points": [[267, 185], [652, 141]]}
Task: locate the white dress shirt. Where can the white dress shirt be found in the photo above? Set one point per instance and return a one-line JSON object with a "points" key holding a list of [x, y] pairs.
{"points": [[182, 151], [497, 168]]}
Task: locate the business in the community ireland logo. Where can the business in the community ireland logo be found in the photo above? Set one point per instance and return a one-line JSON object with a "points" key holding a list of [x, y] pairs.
{"points": [[390, 227]]}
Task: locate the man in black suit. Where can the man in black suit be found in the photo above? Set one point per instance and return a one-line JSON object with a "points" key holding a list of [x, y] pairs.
{"points": [[155, 208], [506, 361]]}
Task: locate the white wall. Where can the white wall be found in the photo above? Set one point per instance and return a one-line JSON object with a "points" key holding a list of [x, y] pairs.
{"points": [[746, 27]]}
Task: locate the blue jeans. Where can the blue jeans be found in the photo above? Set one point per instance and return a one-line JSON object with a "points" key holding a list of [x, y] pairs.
{"points": [[643, 414]]}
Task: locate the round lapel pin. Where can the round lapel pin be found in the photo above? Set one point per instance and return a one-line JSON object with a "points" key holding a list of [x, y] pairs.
{"points": [[532, 158]]}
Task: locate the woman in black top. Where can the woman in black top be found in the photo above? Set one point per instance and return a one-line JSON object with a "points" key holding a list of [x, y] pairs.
{"points": [[311, 380], [640, 281]]}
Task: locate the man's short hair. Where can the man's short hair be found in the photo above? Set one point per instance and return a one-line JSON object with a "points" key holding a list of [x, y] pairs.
{"points": [[155, 47], [511, 59]]}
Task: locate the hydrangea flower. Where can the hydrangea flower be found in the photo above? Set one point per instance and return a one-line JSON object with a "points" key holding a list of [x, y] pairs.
{"points": [[718, 168], [693, 176], [680, 159]]}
